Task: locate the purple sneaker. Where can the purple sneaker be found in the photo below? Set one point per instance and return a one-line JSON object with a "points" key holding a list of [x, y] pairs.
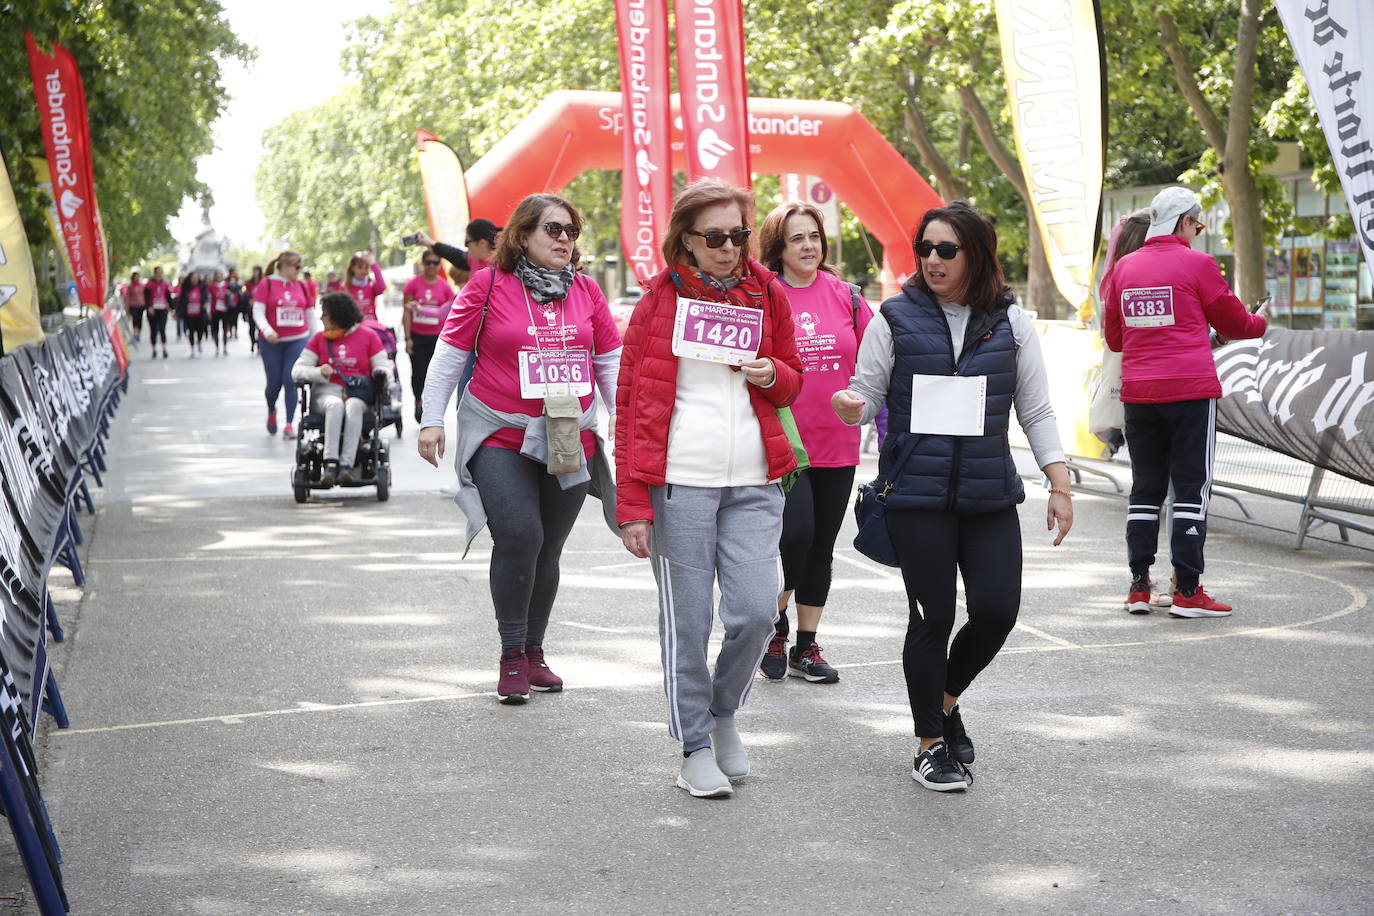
{"points": [[513, 686], [542, 677]]}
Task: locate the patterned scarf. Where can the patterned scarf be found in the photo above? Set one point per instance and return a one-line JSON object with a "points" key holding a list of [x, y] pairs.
{"points": [[740, 288], [545, 285]]}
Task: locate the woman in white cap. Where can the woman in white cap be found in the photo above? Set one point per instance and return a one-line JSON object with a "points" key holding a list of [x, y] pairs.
{"points": [[1159, 304]]}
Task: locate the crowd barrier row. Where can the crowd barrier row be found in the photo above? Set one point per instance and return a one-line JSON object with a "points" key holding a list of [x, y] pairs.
{"points": [[56, 401]]}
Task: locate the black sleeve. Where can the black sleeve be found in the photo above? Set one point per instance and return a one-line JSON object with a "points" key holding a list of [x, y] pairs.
{"points": [[455, 256]]}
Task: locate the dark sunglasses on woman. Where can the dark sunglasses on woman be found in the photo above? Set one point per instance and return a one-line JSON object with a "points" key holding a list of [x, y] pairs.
{"points": [[716, 239], [555, 230], [946, 250]]}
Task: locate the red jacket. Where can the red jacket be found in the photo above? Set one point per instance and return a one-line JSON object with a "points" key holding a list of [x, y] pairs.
{"points": [[1159, 303], [647, 391]]}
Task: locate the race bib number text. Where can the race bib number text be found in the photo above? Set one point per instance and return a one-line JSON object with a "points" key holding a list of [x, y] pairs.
{"points": [[716, 332], [1149, 307], [555, 372]]}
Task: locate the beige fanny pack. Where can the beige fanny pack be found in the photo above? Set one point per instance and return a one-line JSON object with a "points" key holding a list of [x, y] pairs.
{"points": [[562, 415]]}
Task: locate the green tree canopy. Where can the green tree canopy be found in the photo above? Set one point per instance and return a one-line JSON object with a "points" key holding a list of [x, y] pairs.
{"points": [[152, 71]]}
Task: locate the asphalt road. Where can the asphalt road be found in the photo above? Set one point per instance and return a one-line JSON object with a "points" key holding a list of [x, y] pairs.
{"points": [[289, 709]]}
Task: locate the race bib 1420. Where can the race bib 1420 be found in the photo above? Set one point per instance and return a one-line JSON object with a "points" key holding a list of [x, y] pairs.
{"points": [[716, 332]]}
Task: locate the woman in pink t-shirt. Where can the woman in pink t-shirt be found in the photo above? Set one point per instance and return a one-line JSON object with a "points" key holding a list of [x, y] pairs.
{"points": [[535, 329], [428, 299], [285, 316], [365, 283], [829, 318], [343, 349]]}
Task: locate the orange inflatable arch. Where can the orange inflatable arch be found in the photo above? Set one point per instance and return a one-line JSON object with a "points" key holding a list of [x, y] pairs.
{"points": [[573, 131]]}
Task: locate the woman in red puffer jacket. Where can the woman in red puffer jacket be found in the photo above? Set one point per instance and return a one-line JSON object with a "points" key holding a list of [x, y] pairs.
{"points": [[709, 357]]}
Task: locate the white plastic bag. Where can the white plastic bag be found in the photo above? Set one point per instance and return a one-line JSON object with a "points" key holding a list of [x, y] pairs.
{"points": [[1105, 412]]}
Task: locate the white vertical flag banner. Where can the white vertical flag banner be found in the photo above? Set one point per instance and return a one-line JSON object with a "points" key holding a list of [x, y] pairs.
{"points": [[1334, 42], [1052, 58]]}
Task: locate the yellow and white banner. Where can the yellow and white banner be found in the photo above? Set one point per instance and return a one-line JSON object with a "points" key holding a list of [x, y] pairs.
{"points": [[1052, 58], [446, 193], [19, 322]]}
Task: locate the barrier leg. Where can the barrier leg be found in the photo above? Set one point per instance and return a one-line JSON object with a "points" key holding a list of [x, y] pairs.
{"points": [[50, 614], [98, 456], [52, 702], [22, 804], [1305, 517], [74, 527], [85, 496]]}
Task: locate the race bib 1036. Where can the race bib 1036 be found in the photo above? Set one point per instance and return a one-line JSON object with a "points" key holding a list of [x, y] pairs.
{"points": [[1148, 307], [555, 372], [716, 332], [290, 317]]}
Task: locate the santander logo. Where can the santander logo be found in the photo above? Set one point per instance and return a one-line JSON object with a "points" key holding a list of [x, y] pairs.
{"points": [[644, 166], [711, 149], [70, 203]]}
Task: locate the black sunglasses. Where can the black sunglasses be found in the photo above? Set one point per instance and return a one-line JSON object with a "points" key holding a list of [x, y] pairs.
{"points": [[946, 250], [430, 263], [716, 239], [557, 229]]}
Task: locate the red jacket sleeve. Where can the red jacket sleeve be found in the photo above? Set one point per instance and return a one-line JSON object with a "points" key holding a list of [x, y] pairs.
{"points": [[1224, 311], [631, 496], [787, 364]]}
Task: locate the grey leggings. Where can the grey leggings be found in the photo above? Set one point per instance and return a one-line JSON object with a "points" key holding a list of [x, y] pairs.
{"points": [[529, 516]]}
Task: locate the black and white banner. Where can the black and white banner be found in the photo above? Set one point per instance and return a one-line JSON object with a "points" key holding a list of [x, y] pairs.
{"points": [[1307, 394], [51, 397], [1334, 42]]}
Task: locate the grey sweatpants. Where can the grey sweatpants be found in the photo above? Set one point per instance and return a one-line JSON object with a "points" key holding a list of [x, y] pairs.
{"points": [[343, 427], [702, 535]]}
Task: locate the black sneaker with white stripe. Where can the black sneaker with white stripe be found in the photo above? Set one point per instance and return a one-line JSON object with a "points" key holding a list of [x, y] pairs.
{"points": [[960, 744], [936, 770]]}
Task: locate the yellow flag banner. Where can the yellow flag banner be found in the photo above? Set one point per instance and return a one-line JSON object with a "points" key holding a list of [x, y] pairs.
{"points": [[1052, 56], [19, 322], [44, 178], [446, 193]]}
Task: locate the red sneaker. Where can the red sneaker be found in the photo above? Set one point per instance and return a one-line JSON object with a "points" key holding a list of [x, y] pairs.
{"points": [[1198, 604], [1138, 601], [541, 675], [513, 686], [271, 422]]}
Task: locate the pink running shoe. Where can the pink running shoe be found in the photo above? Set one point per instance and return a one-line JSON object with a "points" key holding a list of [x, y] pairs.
{"points": [[271, 419], [513, 686], [542, 677]]}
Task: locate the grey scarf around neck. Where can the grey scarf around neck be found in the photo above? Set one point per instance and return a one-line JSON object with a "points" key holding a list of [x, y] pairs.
{"points": [[544, 285]]}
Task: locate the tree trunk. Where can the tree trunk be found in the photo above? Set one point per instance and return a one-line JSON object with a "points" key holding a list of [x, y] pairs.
{"points": [[1247, 230], [1041, 293]]}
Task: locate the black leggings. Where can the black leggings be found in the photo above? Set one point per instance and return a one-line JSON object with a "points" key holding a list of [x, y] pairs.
{"points": [[195, 329], [986, 549], [421, 352], [811, 520], [136, 315], [530, 516], [157, 327], [1170, 443]]}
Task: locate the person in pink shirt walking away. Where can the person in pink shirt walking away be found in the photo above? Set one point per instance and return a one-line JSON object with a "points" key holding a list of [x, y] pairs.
{"points": [[829, 319], [1159, 305]]}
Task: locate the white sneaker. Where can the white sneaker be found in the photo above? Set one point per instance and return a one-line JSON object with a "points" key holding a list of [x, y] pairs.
{"points": [[731, 756], [701, 776]]}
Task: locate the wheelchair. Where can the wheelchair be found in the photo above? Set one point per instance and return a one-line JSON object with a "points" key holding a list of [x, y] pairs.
{"points": [[373, 464]]}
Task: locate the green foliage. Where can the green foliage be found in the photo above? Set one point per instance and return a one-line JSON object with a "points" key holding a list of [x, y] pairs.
{"points": [[442, 64], [151, 69]]}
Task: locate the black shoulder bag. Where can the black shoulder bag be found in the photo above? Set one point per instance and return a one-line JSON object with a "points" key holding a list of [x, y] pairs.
{"points": [[354, 386], [870, 509]]}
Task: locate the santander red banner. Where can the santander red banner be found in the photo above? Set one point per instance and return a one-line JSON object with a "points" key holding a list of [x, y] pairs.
{"points": [[710, 74], [647, 177], [66, 137]]}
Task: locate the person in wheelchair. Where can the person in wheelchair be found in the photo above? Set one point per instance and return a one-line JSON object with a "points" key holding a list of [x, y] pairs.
{"points": [[337, 362]]}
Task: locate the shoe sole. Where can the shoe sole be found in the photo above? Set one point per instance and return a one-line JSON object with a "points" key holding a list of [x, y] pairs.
{"points": [[1161, 601], [813, 678], [513, 699], [719, 792], [772, 677], [938, 786], [558, 689], [1139, 607], [1176, 611]]}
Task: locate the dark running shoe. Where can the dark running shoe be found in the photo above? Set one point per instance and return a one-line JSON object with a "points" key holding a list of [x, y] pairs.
{"points": [[541, 676], [774, 664], [329, 473], [513, 677], [934, 769], [958, 741], [807, 663]]}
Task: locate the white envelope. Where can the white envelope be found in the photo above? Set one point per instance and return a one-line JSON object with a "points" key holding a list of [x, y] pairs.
{"points": [[948, 405]]}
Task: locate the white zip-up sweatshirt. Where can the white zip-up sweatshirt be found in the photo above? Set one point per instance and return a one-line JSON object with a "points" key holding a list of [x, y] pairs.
{"points": [[714, 439]]}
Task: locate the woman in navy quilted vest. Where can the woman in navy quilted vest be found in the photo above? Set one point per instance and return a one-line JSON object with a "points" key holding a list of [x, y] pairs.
{"points": [[950, 355]]}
